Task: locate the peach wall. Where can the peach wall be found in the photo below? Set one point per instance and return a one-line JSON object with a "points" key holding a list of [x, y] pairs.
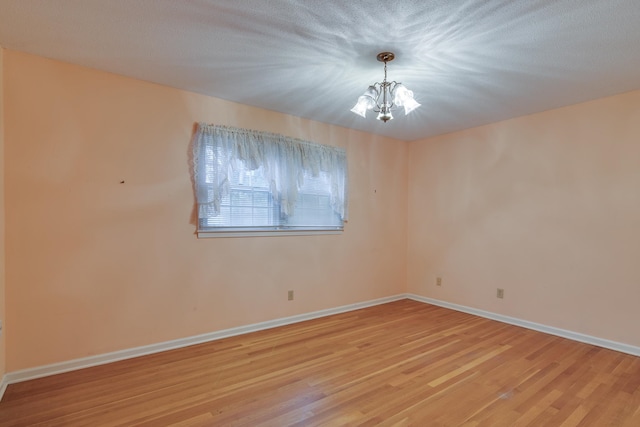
{"points": [[95, 266], [2, 233], [546, 206]]}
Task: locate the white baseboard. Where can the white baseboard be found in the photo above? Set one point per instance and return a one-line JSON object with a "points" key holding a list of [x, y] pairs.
{"points": [[101, 359], [575, 336], [3, 385]]}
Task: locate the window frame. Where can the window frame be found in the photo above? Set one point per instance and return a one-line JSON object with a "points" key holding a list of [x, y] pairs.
{"points": [[208, 231]]}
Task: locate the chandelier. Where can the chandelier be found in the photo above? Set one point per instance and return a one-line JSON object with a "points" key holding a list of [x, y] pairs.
{"points": [[384, 97]]}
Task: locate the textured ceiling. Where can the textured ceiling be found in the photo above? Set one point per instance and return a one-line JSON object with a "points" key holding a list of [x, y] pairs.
{"points": [[468, 62]]}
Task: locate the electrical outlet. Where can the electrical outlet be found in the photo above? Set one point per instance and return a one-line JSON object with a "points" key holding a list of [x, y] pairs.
{"points": [[500, 293], [438, 281], [290, 295]]}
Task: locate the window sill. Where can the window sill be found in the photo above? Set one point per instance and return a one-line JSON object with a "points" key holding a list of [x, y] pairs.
{"points": [[265, 233]]}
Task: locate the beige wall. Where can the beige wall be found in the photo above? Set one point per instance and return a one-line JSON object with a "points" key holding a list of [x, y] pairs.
{"points": [[95, 266], [545, 206], [3, 350]]}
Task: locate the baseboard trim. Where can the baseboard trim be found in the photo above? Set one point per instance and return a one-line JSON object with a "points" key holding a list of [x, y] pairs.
{"points": [[3, 385], [101, 359], [575, 336]]}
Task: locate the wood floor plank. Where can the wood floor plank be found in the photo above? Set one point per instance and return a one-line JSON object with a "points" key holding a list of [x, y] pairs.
{"points": [[399, 364]]}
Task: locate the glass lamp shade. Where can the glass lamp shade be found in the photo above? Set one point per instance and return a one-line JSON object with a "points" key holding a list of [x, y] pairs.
{"points": [[366, 102], [372, 92], [410, 105], [361, 106], [403, 97]]}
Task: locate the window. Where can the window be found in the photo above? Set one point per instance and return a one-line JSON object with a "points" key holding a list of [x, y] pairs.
{"points": [[251, 183]]}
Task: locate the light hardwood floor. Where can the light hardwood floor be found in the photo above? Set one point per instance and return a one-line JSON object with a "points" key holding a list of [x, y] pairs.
{"points": [[398, 364]]}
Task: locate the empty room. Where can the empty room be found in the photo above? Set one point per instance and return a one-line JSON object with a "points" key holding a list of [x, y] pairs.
{"points": [[304, 213]]}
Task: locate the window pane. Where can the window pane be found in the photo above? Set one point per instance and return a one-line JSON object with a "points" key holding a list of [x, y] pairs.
{"points": [[262, 216], [250, 204], [241, 198], [241, 217], [261, 198], [313, 207]]}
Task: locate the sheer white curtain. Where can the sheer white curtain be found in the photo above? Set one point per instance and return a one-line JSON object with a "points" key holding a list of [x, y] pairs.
{"points": [[285, 161]]}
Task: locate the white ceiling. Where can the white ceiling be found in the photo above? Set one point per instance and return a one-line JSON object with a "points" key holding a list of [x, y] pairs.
{"points": [[468, 62]]}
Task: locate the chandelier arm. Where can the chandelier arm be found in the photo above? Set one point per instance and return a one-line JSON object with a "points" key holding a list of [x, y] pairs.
{"points": [[379, 87], [392, 86], [382, 91]]}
